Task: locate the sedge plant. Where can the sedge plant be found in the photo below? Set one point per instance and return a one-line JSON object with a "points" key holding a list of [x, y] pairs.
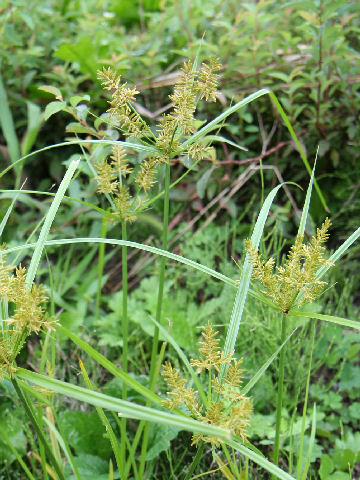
{"points": [[175, 135], [113, 176], [289, 286]]}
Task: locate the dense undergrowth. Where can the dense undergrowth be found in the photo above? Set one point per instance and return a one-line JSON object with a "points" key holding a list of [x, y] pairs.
{"points": [[196, 174]]}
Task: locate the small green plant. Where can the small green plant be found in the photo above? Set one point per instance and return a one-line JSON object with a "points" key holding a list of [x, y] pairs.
{"points": [[225, 406]]}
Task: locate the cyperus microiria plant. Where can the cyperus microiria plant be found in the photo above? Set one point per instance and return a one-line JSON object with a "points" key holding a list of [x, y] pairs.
{"points": [[22, 312], [225, 406], [192, 86], [290, 285], [297, 274]]}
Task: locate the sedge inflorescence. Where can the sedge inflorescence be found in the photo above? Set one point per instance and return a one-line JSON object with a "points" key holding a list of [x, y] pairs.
{"points": [[23, 312], [225, 407], [295, 282], [113, 175]]}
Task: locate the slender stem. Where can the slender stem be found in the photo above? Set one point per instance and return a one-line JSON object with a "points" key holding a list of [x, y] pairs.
{"points": [[100, 268], [195, 462], [161, 276], [125, 329], [132, 450], [154, 352], [280, 391], [31, 414], [301, 448]]}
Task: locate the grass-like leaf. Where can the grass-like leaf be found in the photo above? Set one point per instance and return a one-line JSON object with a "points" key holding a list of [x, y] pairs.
{"points": [[110, 367], [182, 357], [147, 248], [128, 409], [138, 147], [35, 259], [339, 252], [239, 303], [344, 322], [210, 126], [8, 129], [305, 212], [139, 412], [297, 143], [311, 445], [251, 383], [64, 447]]}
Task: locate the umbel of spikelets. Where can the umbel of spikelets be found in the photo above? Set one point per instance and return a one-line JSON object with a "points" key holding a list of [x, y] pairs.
{"points": [[226, 406], [284, 283], [28, 313], [192, 86]]}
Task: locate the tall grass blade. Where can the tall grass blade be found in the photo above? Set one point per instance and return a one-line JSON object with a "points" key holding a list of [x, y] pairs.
{"points": [[147, 248], [8, 211], [50, 194], [8, 129], [7, 440], [303, 421], [138, 147], [37, 427], [305, 212], [344, 322], [182, 357], [266, 365], [238, 307], [110, 367], [64, 447], [311, 445], [35, 259], [105, 422], [139, 412], [301, 151], [124, 407], [210, 126], [339, 252], [261, 461]]}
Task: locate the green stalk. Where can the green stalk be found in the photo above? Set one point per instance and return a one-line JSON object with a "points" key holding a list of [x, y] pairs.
{"points": [[280, 392], [125, 329], [300, 457], [154, 352], [100, 268], [195, 462], [161, 277], [31, 414]]}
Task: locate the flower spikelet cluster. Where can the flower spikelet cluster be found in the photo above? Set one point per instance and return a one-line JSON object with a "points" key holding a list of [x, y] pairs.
{"points": [[111, 178], [146, 175], [121, 103], [28, 313], [284, 283], [207, 81], [211, 355], [198, 151], [179, 393], [225, 407], [192, 86]]}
